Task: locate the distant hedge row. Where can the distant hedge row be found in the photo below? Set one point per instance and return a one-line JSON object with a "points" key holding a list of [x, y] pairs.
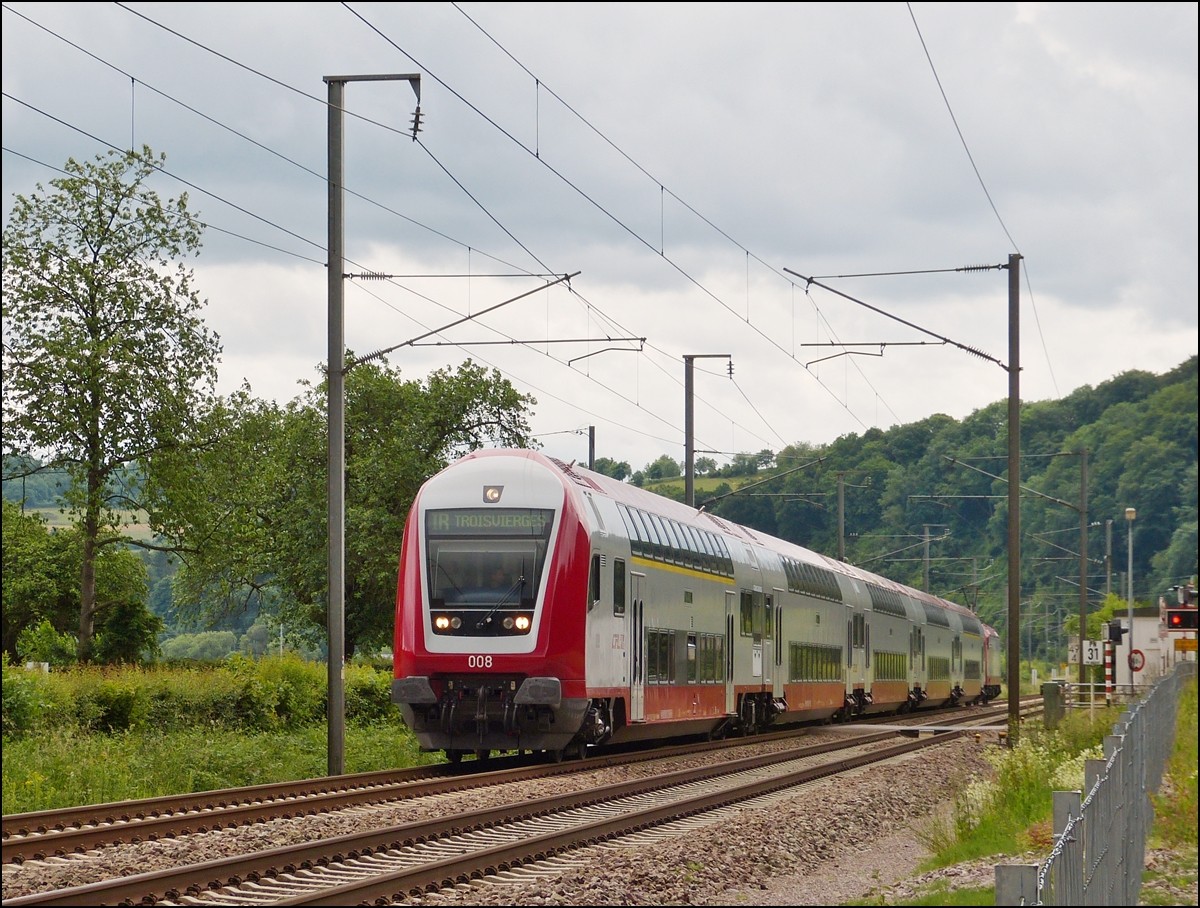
{"points": [[267, 694]]}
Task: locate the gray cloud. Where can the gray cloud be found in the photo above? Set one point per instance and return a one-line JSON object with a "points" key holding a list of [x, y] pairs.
{"points": [[705, 148]]}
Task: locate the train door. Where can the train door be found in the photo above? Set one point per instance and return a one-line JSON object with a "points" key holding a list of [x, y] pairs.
{"points": [[730, 636], [779, 673], [753, 618], [856, 650], [768, 642], [637, 650]]}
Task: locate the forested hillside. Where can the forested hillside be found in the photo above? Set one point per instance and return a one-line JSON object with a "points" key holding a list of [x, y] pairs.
{"points": [[947, 479]]}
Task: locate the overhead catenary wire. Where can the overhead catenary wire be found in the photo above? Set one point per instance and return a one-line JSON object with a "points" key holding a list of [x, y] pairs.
{"points": [[651, 346]]}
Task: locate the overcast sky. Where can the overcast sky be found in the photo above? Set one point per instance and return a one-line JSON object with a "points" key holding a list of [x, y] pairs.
{"points": [[692, 165]]}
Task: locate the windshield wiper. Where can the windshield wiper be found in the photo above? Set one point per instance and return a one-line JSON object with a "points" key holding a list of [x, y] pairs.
{"points": [[519, 584], [441, 567]]}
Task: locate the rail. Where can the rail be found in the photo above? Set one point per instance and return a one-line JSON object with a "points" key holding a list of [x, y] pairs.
{"points": [[1100, 838]]}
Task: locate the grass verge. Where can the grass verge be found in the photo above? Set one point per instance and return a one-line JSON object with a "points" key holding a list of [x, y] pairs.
{"points": [[71, 767], [1012, 814]]}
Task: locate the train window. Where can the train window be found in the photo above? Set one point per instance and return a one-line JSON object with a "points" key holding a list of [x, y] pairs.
{"points": [[769, 618], [710, 657], [814, 662], [678, 544], [691, 657], [703, 560], [618, 586], [634, 531], [594, 583], [687, 597], [667, 550], [726, 560], [835, 591], [708, 551], [467, 547], [747, 614], [660, 657], [692, 540], [890, 666], [639, 527], [793, 576], [655, 544]]}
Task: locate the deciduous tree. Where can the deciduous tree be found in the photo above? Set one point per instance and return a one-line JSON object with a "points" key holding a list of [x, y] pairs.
{"points": [[107, 363], [263, 511]]}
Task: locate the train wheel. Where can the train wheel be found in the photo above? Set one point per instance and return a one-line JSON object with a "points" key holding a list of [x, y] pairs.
{"points": [[483, 754], [454, 756]]}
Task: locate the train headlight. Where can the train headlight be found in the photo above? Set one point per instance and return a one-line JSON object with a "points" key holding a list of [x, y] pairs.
{"points": [[491, 494], [522, 622], [456, 622], [441, 622], [508, 624]]}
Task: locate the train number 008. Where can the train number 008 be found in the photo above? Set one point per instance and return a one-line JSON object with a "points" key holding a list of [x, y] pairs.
{"points": [[479, 661]]}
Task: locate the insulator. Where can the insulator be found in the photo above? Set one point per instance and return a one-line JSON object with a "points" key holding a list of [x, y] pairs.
{"points": [[975, 352]]}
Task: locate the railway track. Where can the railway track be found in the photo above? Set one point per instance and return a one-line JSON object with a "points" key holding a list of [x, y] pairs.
{"points": [[432, 854], [73, 830], [56, 833]]}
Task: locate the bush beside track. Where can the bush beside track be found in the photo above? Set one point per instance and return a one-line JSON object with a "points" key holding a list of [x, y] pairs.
{"points": [[269, 694]]}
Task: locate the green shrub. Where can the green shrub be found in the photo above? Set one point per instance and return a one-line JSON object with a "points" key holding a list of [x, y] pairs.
{"points": [[369, 695], [100, 699], [1175, 823], [117, 705], [42, 643], [274, 693], [294, 690], [20, 708], [208, 646]]}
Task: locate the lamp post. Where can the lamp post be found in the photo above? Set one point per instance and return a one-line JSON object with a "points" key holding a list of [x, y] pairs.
{"points": [[1130, 516]]}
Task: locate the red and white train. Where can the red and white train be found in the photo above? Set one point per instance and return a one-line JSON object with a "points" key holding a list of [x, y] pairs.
{"points": [[546, 607]]}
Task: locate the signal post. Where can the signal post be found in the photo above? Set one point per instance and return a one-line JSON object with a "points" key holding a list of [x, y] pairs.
{"points": [[1179, 620]]}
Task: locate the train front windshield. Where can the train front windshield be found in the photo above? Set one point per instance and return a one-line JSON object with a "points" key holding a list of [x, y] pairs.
{"points": [[484, 558]]}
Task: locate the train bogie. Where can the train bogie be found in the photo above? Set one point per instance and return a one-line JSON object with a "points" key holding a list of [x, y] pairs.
{"points": [[545, 607]]}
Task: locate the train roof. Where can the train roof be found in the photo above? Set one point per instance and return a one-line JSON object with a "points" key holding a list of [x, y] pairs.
{"points": [[634, 496]]}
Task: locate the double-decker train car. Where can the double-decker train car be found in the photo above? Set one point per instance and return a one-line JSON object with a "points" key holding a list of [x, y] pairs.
{"points": [[545, 607]]}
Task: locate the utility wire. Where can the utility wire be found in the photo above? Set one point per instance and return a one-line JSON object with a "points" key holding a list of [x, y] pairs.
{"points": [[305, 169], [988, 195]]}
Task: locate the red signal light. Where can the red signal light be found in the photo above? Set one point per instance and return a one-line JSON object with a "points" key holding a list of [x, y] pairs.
{"points": [[1181, 619]]}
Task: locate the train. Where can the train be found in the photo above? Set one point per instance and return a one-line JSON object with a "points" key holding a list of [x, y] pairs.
{"points": [[545, 607]]}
